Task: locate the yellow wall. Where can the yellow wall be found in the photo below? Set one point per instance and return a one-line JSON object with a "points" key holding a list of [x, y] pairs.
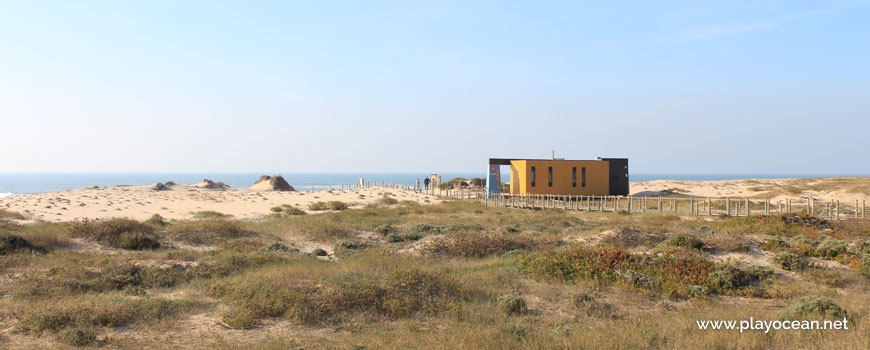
{"points": [[597, 177]]}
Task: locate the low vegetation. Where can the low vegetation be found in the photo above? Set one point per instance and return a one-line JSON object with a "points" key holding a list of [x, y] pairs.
{"points": [[8, 214], [331, 205], [210, 214], [456, 275], [117, 233]]}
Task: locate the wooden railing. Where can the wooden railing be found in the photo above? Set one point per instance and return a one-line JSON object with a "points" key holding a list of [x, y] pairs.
{"points": [[729, 206]]}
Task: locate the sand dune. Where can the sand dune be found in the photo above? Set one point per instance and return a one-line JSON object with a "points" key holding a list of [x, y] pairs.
{"points": [[181, 201], [837, 188]]}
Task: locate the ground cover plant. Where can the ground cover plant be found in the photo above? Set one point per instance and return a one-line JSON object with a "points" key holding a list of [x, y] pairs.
{"points": [[456, 275]]}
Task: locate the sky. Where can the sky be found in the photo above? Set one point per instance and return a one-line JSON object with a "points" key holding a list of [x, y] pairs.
{"points": [[695, 87]]}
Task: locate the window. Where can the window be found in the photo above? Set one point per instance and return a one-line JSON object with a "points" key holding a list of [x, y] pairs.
{"points": [[550, 176], [574, 177], [533, 176], [583, 177]]}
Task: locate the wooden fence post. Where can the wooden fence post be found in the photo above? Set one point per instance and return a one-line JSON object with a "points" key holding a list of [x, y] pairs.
{"points": [[748, 207], [660, 204]]}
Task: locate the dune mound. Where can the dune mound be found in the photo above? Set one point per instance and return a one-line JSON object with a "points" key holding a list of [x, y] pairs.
{"points": [[159, 187], [272, 183], [211, 185], [170, 183]]}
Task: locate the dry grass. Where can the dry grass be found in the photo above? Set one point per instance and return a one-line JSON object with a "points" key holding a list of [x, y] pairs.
{"points": [[8, 214], [488, 278]]}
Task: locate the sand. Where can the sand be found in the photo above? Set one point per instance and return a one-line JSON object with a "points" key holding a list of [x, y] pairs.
{"points": [[846, 189], [182, 201]]}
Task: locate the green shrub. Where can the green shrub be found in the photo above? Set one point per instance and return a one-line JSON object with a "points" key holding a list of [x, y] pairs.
{"points": [[728, 277], [387, 201], [428, 229], [630, 237], [480, 245], [671, 273], [337, 205], [285, 210], [580, 300], [814, 306], [101, 311], [860, 247], [518, 332], [8, 214], [639, 280], [774, 244], [156, 220], [412, 291], [685, 241], [209, 231], [240, 318], [10, 243], [403, 238], [512, 304], [830, 248], [293, 211], [77, 336], [137, 241], [585, 302], [129, 276], [401, 293], [790, 262], [347, 248], [276, 247], [210, 214], [318, 206], [510, 229], [117, 232], [696, 291], [384, 229], [803, 241], [759, 272]]}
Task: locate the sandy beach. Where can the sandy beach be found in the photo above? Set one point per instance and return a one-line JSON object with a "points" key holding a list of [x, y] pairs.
{"points": [[182, 201]]}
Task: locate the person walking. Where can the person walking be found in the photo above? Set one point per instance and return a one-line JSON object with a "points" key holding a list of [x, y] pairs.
{"points": [[417, 187], [426, 183]]}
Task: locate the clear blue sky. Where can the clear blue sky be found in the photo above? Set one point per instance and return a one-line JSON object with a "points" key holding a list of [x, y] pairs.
{"points": [[366, 86]]}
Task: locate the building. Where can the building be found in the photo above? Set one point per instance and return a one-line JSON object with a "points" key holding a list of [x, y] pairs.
{"points": [[601, 177]]}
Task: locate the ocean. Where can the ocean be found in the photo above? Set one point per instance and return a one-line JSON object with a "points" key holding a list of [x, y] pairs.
{"points": [[26, 183]]}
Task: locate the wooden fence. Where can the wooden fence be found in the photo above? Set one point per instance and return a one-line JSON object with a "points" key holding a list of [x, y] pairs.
{"points": [[729, 206], [829, 209]]}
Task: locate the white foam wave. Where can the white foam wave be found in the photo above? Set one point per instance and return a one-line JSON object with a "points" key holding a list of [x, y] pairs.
{"points": [[5, 194]]}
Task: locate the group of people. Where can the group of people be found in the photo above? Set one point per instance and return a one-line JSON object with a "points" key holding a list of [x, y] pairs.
{"points": [[426, 182]]}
